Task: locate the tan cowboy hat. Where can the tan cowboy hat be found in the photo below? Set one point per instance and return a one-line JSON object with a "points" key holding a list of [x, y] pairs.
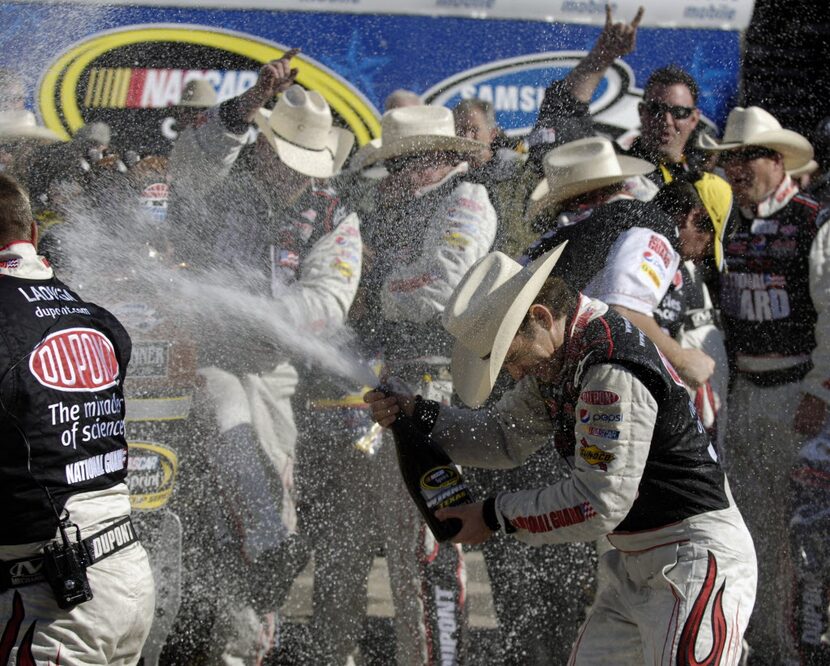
{"points": [[582, 166], [18, 125], [806, 169], [410, 130], [485, 312], [357, 162], [198, 94], [752, 126], [301, 131]]}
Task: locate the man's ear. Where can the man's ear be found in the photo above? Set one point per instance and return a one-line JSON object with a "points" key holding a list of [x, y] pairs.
{"points": [[542, 315], [33, 235]]}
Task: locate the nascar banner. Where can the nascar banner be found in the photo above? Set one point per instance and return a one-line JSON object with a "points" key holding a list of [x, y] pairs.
{"points": [[127, 64]]}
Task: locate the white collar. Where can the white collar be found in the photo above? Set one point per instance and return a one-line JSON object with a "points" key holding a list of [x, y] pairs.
{"points": [[20, 259], [775, 201]]}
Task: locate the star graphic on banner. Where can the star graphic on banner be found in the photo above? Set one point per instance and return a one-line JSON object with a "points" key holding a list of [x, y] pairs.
{"points": [[356, 66]]}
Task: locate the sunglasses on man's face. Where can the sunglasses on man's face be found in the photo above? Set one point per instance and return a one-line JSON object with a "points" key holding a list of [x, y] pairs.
{"points": [[745, 155], [654, 108]]}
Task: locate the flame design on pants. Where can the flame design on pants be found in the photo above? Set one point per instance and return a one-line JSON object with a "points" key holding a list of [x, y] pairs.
{"points": [[688, 638], [7, 642]]}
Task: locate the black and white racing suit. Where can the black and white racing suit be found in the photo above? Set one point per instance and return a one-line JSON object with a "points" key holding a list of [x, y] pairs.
{"points": [[679, 582], [62, 367]]}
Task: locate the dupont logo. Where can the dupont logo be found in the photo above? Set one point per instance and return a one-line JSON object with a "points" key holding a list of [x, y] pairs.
{"points": [[77, 359], [599, 397]]}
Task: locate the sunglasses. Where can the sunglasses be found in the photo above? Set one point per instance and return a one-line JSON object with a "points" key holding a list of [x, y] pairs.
{"points": [[745, 155], [655, 108]]}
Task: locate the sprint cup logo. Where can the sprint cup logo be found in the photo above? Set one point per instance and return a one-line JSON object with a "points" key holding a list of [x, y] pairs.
{"points": [[131, 77], [151, 475], [516, 86]]}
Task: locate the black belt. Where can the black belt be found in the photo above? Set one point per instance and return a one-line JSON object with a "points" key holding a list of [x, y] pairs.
{"points": [[29, 570], [778, 377], [697, 318]]}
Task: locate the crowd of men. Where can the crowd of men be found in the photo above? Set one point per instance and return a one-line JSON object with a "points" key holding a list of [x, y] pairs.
{"points": [[641, 332]]}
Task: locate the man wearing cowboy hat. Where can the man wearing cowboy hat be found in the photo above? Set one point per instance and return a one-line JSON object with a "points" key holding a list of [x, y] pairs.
{"points": [[428, 225], [621, 249], [20, 135], [645, 476], [774, 301], [265, 211]]}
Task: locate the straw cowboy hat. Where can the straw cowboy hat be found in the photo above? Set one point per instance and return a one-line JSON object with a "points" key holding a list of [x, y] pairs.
{"points": [[582, 166], [301, 131], [485, 312], [18, 125], [752, 126], [410, 130], [198, 94]]}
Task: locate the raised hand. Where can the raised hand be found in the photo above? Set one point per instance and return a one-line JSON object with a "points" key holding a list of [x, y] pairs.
{"points": [[277, 76], [618, 39]]}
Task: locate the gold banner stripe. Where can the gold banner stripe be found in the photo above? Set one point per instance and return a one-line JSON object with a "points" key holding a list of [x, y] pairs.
{"points": [[99, 84], [121, 102], [107, 86], [90, 86], [116, 85], [158, 409]]}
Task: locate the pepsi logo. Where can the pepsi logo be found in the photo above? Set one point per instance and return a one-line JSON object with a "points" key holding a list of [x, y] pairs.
{"points": [[75, 359], [584, 415]]}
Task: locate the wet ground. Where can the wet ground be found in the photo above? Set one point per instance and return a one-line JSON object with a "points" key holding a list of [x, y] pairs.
{"points": [[378, 642]]}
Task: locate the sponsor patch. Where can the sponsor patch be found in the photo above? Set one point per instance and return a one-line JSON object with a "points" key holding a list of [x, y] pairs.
{"points": [[151, 475], [652, 274], [557, 519], [762, 226], [659, 247], [605, 433], [599, 397], [595, 456], [75, 359]]}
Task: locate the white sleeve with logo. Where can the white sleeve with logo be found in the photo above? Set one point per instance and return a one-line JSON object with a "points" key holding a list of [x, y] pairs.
{"points": [[637, 272], [461, 231], [817, 381], [330, 273], [615, 418]]}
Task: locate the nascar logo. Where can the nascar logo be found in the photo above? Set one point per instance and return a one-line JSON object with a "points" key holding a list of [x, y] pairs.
{"points": [[129, 77], [152, 471]]}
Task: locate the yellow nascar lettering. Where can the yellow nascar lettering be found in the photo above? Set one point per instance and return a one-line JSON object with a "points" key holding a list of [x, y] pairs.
{"points": [[168, 464], [64, 76]]}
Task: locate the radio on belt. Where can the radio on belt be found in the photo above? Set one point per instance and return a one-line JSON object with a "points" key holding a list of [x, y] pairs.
{"points": [[64, 567]]}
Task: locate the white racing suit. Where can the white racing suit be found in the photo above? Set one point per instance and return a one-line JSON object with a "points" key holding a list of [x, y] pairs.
{"points": [[774, 304], [308, 257], [679, 584], [420, 252]]}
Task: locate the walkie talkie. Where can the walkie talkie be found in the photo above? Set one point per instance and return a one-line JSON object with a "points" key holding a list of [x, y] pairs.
{"points": [[64, 567]]}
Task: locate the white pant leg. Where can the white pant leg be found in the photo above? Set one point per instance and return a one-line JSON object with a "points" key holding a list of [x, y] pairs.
{"points": [[109, 629]]}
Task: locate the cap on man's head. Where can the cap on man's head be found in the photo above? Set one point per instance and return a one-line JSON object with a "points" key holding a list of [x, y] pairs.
{"points": [[301, 131], [752, 126]]}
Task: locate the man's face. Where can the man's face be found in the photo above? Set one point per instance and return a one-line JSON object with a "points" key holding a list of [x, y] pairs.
{"points": [[696, 235], [472, 124], [530, 353], [286, 183], [753, 173], [667, 118]]}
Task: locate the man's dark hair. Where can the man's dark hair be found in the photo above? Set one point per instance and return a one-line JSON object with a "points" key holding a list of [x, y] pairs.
{"points": [[484, 107], [556, 295], [672, 75], [15, 211]]}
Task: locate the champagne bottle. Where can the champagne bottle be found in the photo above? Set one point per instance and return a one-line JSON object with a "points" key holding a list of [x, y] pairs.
{"points": [[433, 480]]}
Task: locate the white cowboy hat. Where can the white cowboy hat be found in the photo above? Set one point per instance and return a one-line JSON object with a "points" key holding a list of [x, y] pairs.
{"points": [[198, 94], [410, 130], [17, 125], [485, 312], [805, 169], [301, 131], [582, 166], [752, 126]]}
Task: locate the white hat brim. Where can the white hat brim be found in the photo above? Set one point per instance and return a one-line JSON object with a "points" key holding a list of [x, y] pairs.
{"points": [[473, 376], [413, 145], [542, 196], [794, 148], [323, 163], [27, 132]]}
